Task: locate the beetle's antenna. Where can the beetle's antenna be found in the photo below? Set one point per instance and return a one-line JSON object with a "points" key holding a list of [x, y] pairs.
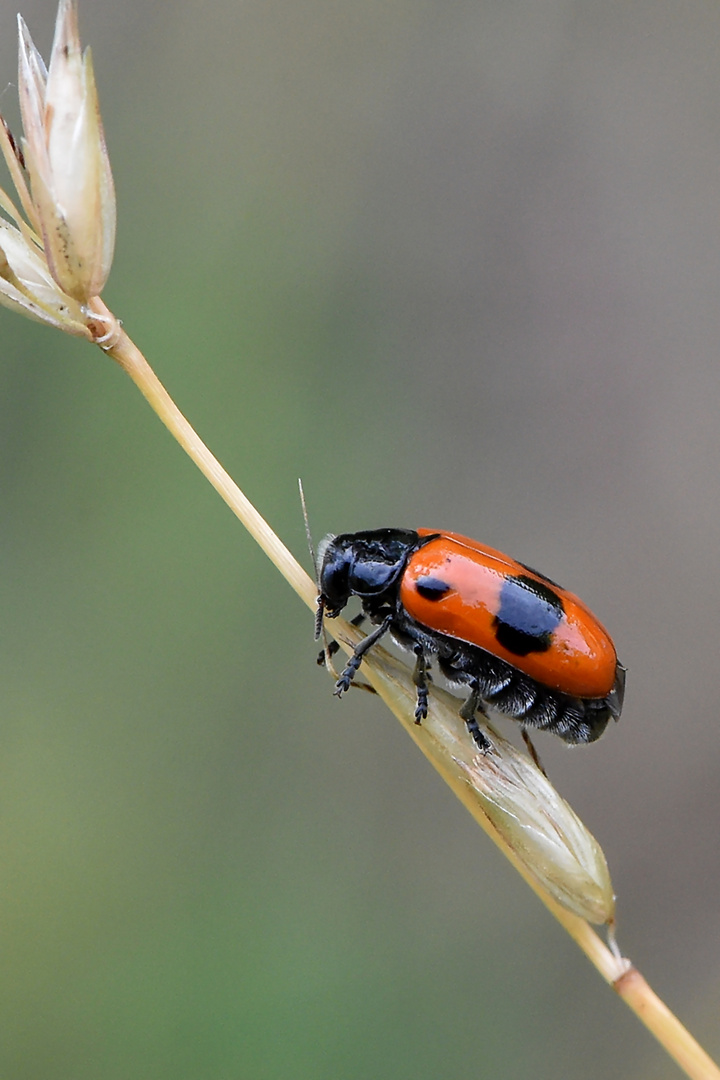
{"points": [[320, 603], [319, 615], [308, 534]]}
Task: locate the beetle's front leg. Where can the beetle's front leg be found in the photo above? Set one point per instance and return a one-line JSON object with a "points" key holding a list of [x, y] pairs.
{"points": [[332, 646], [355, 660]]}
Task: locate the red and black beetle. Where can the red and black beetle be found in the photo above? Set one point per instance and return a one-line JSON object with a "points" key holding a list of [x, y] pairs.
{"points": [[520, 643]]}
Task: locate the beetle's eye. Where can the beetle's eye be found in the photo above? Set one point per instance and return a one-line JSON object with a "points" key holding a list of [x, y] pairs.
{"points": [[334, 580]]}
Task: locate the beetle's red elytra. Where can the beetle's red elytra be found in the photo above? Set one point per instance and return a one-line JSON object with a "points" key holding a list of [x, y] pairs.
{"points": [[522, 644]]}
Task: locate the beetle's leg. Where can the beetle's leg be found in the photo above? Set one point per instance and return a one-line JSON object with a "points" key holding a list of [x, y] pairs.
{"points": [[531, 750], [421, 678], [332, 647], [355, 660], [474, 704]]}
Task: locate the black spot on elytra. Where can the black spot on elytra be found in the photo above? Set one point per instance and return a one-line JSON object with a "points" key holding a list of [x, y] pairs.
{"points": [[529, 613], [432, 588], [543, 576]]}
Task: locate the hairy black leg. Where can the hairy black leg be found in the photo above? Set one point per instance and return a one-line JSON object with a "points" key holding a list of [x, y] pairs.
{"points": [[421, 677], [333, 647], [467, 712], [355, 660]]}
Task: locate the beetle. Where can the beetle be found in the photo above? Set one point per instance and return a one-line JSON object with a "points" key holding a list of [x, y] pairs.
{"points": [[519, 642]]}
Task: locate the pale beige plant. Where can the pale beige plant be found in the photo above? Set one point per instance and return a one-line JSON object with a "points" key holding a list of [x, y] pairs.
{"points": [[55, 256], [66, 158], [56, 259]]}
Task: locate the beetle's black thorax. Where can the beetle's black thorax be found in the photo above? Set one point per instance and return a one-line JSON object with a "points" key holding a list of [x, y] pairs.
{"points": [[368, 565]]}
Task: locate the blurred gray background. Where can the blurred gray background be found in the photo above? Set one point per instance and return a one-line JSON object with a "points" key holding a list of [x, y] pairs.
{"points": [[457, 265]]}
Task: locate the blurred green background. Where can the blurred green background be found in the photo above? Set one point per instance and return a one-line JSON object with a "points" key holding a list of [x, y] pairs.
{"points": [[455, 264]]}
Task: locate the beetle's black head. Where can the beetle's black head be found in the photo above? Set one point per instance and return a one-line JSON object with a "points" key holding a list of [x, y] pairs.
{"points": [[365, 564]]}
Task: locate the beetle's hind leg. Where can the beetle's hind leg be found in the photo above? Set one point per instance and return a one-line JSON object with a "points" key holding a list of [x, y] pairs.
{"points": [[475, 704], [532, 751]]}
